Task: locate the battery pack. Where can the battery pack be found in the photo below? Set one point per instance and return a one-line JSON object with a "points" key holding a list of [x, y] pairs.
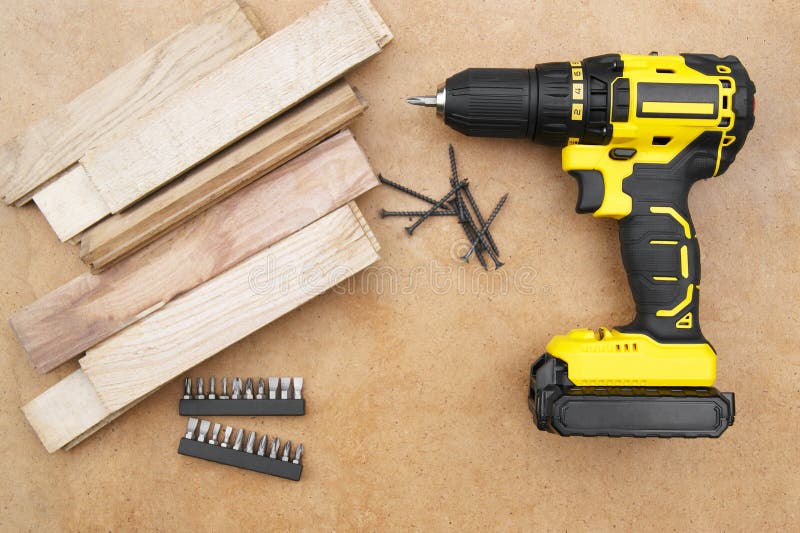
{"points": [[561, 407]]}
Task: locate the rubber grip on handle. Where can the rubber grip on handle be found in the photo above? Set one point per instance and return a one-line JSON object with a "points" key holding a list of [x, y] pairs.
{"points": [[659, 246]]}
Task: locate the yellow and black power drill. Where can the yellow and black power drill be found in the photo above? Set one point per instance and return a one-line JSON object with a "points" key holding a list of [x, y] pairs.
{"points": [[637, 132]]}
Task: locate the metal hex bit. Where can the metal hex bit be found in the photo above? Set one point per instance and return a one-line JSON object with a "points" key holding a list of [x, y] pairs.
{"points": [[260, 391], [237, 442], [214, 434], [298, 453], [251, 442], [226, 437], [187, 389], [286, 451], [273, 388], [248, 389], [298, 388], [273, 451], [204, 425], [190, 428], [285, 384], [262, 446], [224, 395], [237, 389], [199, 395], [212, 388]]}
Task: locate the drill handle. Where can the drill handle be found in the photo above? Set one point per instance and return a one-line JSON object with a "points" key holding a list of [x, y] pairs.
{"points": [[661, 255]]}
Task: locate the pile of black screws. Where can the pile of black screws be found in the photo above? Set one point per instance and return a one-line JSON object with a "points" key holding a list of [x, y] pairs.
{"points": [[453, 204]]}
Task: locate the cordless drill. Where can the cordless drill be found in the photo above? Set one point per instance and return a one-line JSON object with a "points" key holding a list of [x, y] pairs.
{"points": [[636, 132]]}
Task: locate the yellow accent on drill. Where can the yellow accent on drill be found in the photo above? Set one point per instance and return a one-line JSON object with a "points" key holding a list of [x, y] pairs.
{"points": [[673, 243], [665, 278], [674, 214], [678, 108], [638, 132], [613, 358], [684, 262], [685, 322], [683, 303]]}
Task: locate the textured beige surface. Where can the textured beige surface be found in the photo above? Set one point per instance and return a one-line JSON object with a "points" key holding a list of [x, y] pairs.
{"points": [[419, 420]]}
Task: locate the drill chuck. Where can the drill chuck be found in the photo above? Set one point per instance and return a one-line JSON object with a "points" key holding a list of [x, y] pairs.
{"points": [[536, 103]]}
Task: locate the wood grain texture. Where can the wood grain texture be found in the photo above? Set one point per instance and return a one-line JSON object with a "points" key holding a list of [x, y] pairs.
{"points": [[234, 100], [90, 308], [70, 203], [236, 166], [137, 361], [227, 308], [112, 105], [64, 411]]}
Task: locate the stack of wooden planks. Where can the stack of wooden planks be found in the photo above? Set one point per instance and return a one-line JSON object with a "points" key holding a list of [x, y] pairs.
{"points": [[211, 195]]}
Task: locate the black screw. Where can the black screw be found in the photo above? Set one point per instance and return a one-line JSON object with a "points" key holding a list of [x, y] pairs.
{"points": [[479, 242], [458, 204], [406, 190], [410, 229], [385, 213], [485, 227], [481, 221]]}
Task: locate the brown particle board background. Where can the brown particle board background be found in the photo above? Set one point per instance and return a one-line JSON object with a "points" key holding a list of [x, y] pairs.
{"points": [[417, 416]]}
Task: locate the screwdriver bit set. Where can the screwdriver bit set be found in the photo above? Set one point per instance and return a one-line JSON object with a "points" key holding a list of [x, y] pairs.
{"points": [[214, 444], [276, 397]]}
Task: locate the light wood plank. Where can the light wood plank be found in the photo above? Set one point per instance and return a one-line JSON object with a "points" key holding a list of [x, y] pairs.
{"points": [[51, 145], [135, 362], [236, 166], [226, 309], [234, 100], [90, 308], [70, 203], [65, 411]]}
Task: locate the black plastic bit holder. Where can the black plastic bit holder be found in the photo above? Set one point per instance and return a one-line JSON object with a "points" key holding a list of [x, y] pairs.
{"points": [[290, 407], [241, 459]]}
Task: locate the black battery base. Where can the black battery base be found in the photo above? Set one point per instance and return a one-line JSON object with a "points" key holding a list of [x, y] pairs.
{"points": [[561, 407]]}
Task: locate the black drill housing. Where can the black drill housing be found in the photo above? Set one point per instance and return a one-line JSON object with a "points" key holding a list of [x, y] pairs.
{"points": [[534, 103]]}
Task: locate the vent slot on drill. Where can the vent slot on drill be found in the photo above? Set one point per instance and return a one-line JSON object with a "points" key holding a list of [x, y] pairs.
{"points": [[661, 141], [665, 71]]}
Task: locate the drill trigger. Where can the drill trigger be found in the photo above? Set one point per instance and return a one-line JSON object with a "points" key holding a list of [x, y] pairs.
{"points": [[591, 190]]}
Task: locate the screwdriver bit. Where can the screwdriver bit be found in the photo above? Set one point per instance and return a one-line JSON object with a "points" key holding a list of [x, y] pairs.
{"points": [[248, 389], [285, 384], [226, 437], [273, 388], [212, 388], [190, 428], [200, 395], [262, 446], [204, 425], [286, 451], [251, 442], [237, 389], [187, 389], [260, 391], [273, 451], [298, 453], [298, 388], [224, 395], [214, 434], [237, 442]]}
